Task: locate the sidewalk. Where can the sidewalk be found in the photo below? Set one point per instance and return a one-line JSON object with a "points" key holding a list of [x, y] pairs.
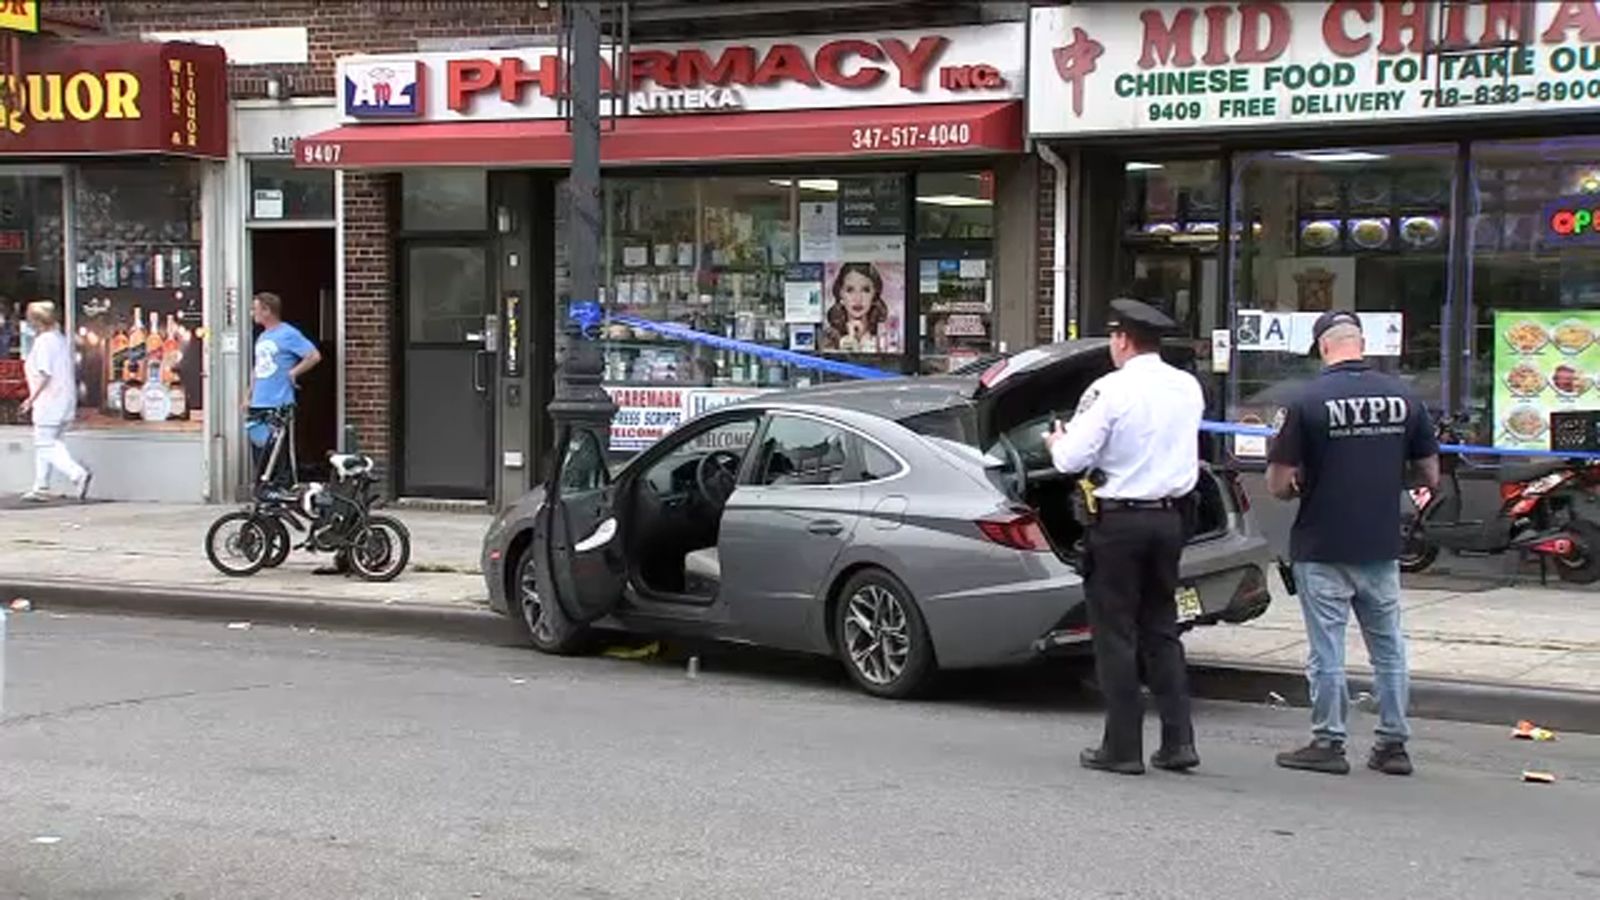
{"points": [[1523, 637], [160, 547]]}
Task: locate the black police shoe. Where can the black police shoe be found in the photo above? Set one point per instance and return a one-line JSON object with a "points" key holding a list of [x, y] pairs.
{"points": [[1321, 755], [1181, 758], [1093, 758], [1390, 758]]}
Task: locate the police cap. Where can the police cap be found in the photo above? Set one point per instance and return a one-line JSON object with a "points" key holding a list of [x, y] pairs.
{"points": [[1138, 316]]}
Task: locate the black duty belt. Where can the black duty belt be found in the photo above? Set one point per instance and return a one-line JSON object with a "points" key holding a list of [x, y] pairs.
{"points": [[1109, 504]]}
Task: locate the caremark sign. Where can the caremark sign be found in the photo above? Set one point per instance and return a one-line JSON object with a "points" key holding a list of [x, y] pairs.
{"points": [[812, 72], [1124, 67]]}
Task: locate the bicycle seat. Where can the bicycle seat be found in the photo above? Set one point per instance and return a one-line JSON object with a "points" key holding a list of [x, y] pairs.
{"points": [[1531, 470], [348, 465]]}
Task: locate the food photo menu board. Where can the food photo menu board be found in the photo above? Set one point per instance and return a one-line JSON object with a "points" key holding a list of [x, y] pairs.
{"points": [[1544, 362]]}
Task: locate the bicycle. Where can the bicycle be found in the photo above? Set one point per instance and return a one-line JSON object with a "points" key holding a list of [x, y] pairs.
{"points": [[335, 516]]}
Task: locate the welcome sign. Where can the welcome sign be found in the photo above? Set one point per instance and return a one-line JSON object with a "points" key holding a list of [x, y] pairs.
{"points": [[1097, 68]]}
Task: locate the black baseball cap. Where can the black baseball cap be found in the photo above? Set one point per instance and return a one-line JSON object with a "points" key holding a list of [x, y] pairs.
{"points": [[1328, 320]]}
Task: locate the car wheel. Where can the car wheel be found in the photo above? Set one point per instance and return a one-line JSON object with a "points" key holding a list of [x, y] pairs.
{"points": [[883, 640], [545, 625]]}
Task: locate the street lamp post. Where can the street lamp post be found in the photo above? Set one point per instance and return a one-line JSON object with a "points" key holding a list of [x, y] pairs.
{"points": [[580, 402]]}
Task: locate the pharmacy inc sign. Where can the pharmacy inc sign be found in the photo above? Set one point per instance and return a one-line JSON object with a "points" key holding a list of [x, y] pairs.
{"points": [[1097, 68]]}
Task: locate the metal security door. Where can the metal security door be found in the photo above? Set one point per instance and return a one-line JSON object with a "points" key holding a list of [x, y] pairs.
{"points": [[449, 365]]}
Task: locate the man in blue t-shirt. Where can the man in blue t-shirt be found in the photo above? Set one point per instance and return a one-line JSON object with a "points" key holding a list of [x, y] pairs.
{"points": [[283, 354], [1347, 445]]}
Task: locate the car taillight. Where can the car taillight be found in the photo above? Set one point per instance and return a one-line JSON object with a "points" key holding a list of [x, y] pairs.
{"points": [[1020, 531], [1236, 488]]}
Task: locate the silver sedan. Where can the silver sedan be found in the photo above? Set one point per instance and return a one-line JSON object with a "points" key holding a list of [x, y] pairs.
{"points": [[904, 526]]}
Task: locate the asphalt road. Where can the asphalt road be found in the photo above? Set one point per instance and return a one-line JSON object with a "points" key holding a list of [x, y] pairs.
{"points": [[164, 758]]}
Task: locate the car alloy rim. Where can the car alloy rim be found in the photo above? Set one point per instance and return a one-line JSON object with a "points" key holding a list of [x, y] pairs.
{"points": [[877, 634], [532, 609]]}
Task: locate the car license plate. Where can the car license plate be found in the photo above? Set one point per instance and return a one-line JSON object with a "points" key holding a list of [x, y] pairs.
{"points": [[1188, 600]]}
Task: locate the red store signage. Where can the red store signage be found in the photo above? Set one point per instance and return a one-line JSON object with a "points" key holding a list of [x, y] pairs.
{"points": [[85, 98], [753, 75]]}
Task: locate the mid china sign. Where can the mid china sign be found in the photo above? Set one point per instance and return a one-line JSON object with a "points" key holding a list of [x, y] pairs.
{"points": [[1098, 68]]}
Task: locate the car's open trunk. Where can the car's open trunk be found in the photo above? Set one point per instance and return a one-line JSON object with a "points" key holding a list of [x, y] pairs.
{"points": [[1052, 501]]}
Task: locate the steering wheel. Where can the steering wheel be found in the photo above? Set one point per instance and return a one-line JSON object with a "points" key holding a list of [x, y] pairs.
{"points": [[717, 475], [1018, 475]]}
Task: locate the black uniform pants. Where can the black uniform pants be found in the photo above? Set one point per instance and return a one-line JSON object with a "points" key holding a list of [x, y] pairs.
{"points": [[1133, 576]]}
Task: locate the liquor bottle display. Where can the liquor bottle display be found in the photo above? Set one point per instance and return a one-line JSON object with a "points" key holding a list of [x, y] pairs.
{"points": [[138, 304]]}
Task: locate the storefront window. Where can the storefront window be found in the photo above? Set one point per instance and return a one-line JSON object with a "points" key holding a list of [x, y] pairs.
{"points": [[278, 190], [1535, 287], [137, 274], [1365, 230], [816, 265], [809, 264], [30, 269], [955, 273], [444, 200]]}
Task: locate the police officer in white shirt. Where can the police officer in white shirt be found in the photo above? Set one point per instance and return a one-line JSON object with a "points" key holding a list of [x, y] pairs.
{"points": [[1136, 433]]}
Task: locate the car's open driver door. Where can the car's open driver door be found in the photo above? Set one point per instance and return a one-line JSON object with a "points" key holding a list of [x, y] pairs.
{"points": [[579, 532]]}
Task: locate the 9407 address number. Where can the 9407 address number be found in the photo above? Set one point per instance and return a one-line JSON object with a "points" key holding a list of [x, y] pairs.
{"points": [[320, 153], [907, 137]]}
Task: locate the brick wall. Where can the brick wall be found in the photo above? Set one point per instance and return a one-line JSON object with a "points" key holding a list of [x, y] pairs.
{"points": [[335, 28], [1045, 207], [368, 297]]}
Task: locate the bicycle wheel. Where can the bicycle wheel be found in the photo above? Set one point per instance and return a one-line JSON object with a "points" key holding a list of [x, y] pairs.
{"points": [[237, 544], [381, 550], [278, 542]]}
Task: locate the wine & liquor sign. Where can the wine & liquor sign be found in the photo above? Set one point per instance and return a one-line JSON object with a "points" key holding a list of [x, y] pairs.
{"points": [[1099, 68], [101, 99]]}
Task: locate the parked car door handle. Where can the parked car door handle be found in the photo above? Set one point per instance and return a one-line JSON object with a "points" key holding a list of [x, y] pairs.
{"points": [[825, 526]]}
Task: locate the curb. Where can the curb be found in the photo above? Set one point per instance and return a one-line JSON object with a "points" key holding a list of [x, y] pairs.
{"points": [[479, 625], [1479, 702]]}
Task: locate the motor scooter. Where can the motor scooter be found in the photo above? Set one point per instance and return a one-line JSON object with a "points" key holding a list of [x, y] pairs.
{"points": [[1538, 515]]}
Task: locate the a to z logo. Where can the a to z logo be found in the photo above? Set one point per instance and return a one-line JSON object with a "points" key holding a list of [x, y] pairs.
{"points": [[383, 89]]}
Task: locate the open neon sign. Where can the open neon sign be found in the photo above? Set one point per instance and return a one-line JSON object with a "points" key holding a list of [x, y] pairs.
{"points": [[1573, 219]]}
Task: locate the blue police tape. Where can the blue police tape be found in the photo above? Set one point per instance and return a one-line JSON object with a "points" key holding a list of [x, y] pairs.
{"points": [[760, 351], [1463, 449], [849, 370]]}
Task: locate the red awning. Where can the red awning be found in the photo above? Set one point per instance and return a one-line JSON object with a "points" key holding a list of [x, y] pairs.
{"points": [[830, 133]]}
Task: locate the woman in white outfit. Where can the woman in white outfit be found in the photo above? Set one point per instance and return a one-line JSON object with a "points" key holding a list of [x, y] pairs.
{"points": [[53, 399]]}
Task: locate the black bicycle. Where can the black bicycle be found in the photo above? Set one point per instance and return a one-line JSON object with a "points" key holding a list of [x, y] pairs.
{"points": [[333, 517]]}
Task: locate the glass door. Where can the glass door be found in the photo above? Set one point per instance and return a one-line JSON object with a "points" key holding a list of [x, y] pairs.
{"points": [[448, 370], [31, 236], [955, 269], [1171, 223]]}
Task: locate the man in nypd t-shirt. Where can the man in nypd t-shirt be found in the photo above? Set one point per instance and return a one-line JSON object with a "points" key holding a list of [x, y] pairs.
{"points": [[1347, 446]]}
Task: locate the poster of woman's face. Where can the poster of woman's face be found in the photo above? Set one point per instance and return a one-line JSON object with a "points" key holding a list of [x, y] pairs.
{"points": [[866, 307]]}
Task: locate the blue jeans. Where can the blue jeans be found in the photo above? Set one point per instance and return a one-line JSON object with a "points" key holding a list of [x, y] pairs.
{"points": [[1328, 591]]}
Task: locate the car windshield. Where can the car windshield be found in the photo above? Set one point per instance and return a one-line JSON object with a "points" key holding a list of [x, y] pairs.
{"points": [[959, 424]]}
